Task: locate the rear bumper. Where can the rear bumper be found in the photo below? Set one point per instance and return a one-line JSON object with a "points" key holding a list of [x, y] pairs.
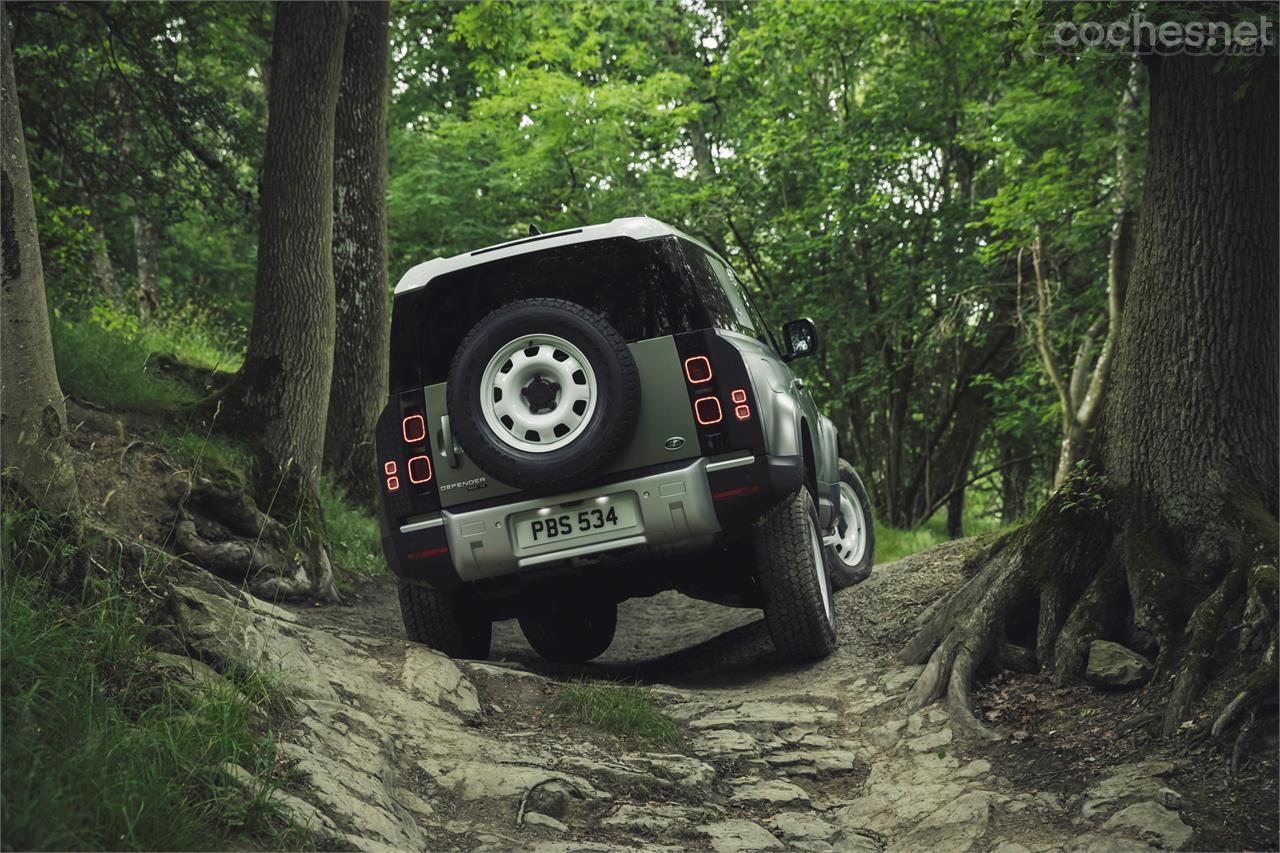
{"points": [[681, 509]]}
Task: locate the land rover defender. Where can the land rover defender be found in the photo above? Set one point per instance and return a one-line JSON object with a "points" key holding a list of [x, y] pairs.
{"points": [[580, 417]]}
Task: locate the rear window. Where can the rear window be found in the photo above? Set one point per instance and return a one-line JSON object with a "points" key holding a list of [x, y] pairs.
{"points": [[632, 284]]}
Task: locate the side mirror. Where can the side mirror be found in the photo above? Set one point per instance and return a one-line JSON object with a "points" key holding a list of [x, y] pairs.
{"points": [[801, 337]]}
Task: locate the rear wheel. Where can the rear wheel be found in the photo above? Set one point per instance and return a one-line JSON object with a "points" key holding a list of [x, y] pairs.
{"points": [[850, 556], [571, 631], [453, 622], [799, 608]]}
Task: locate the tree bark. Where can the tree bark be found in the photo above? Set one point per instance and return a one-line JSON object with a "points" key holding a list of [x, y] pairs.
{"points": [[144, 246], [359, 386], [280, 397], [33, 421], [1193, 409], [102, 270]]}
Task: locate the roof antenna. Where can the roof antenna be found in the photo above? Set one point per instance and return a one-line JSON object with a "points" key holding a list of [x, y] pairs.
{"points": [[533, 231]]}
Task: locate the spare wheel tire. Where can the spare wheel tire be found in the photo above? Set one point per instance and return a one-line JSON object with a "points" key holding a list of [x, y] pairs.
{"points": [[543, 394]]}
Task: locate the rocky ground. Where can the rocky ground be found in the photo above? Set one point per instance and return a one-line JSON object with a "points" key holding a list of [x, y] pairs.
{"points": [[395, 746]]}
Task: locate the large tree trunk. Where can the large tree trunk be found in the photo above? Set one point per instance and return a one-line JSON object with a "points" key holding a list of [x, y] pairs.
{"points": [[1169, 543], [281, 395], [33, 420], [359, 385]]}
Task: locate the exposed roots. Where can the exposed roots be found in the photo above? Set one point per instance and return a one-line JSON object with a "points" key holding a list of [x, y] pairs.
{"points": [[1079, 573], [223, 530]]}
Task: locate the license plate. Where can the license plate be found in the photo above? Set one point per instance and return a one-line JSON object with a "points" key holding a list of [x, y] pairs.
{"points": [[589, 518]]}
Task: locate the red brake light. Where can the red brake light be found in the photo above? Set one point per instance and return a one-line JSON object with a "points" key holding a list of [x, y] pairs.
{"points": [[697, 369], [388, 468], [414, 429], [738, 395], [742, 412], [393, 483], [419, 469], [707, 411]]}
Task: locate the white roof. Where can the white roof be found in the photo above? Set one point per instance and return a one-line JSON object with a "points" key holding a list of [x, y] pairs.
{"points": [[635, 227]]}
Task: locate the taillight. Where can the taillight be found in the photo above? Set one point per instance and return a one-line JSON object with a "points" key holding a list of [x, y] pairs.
{"points": [[419, 470], [413, 428], [393, 482], [707, 411], [697, 369]]}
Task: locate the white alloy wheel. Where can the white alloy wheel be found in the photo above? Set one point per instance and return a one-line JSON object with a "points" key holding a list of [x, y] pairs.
{"points": [[820, 568], [538, 393], [851, 528]]}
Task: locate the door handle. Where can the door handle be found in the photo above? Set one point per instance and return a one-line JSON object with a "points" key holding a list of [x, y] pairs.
{"points": [[797, 382]]}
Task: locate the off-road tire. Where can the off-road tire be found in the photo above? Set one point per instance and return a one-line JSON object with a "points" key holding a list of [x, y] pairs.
{"points": [[789, 571], [574, 631], [452, 622], [612, 423], [842, 574]]}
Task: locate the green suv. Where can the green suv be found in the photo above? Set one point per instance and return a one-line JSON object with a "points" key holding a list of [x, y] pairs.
{"points": [[596, 414]]}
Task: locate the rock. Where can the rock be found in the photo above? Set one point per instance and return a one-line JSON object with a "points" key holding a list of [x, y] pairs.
{"points": [[1113, 665], [802, 826], [954, 827], [1097, 843], [730, 836], [930, 742], [900, 680], [435, 678], [888, 734], [974, 769], [721, 741], [1127, 783], [775, 792], [763, 718], [1010, 847], [539, 819], [653, 819], [1153, 823]]}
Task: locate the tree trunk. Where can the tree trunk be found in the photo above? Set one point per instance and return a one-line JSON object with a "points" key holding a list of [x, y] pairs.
{"points": [[359, 386], [102, 270], [33, 421], [1170, 540], [281, 395], [144, 246]]}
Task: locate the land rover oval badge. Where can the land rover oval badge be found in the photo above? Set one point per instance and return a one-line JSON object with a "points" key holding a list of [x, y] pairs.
{"points": [[673, 443]]}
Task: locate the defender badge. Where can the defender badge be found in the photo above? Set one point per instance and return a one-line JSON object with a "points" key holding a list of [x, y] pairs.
{"points": [[673, 443]]}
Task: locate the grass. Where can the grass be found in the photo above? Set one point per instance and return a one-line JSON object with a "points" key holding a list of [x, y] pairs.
{"points": [[625, 711], [99, 750], [894, 544], [107, 356], [355, 542]]}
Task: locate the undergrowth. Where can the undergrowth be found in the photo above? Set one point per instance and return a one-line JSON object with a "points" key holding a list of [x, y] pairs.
{"points": [[100, 751], [894, 544], [622, 710]]}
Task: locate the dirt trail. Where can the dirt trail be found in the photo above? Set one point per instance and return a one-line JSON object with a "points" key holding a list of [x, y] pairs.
{"points": [[399, 747]]}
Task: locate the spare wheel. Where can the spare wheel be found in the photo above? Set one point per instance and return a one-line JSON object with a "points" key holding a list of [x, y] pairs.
{"points": [[543, 394]]}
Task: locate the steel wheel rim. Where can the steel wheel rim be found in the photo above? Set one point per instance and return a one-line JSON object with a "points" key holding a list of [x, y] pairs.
{"points": [[851, 528], [820, 569], [517, 400]]}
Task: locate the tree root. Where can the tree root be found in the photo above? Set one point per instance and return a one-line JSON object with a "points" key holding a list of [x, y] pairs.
{"points": [[223, 530], [1084, 571]]}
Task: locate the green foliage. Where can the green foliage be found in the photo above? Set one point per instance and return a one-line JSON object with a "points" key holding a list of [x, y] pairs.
{"points": [[894, 544], [101, 751], [355, 543], [110, 366], [625, 711]]}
